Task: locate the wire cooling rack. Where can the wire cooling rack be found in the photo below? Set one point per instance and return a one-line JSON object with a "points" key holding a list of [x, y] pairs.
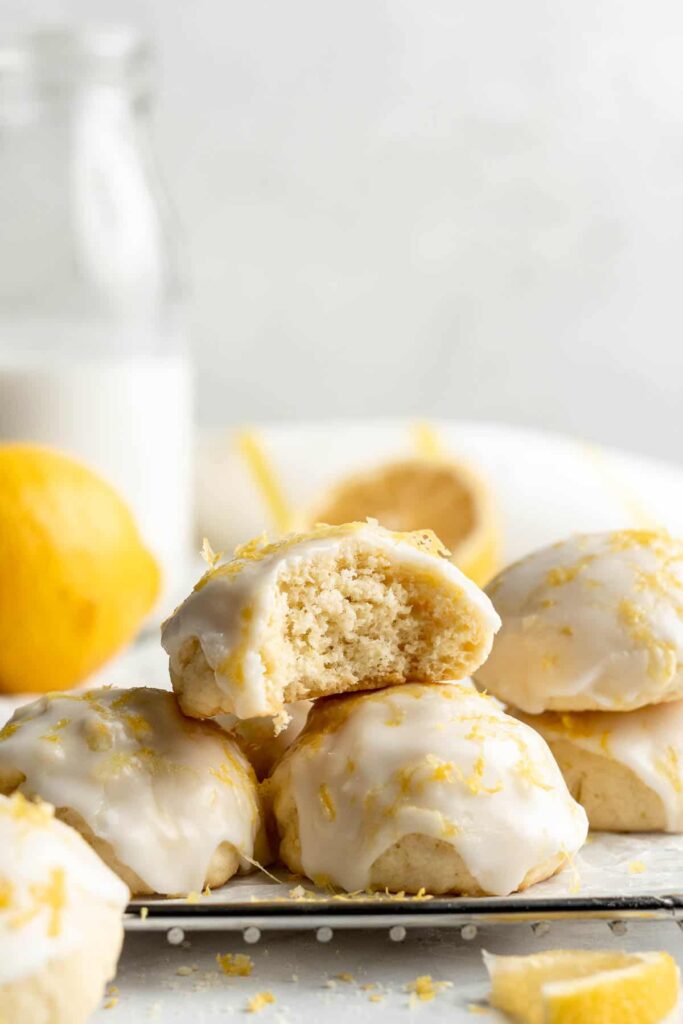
{"points": [[615, 878]]}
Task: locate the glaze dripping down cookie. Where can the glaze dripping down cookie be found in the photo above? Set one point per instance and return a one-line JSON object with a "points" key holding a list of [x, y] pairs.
{"points": [[428, 787], [171, 804]]}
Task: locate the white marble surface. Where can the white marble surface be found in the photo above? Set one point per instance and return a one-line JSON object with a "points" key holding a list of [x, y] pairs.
{"points": [[301, 973]]}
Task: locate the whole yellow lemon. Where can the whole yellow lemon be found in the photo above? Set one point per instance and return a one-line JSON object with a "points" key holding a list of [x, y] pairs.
{"points": [[76, 580]]}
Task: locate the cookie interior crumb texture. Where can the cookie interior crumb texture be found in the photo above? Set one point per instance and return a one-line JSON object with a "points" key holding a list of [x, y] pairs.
{"points": [[354, 618]]}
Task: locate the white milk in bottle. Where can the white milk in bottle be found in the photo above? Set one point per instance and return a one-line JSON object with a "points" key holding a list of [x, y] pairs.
{"points": [[92, 354]]}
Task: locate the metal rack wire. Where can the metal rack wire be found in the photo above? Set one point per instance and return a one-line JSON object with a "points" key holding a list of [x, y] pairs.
{"points": [[396, 917]]}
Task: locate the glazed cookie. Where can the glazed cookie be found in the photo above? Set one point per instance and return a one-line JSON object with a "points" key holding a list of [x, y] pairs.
{"points": [[594, 623], [423, 787], [258, 739], [351, 607], [626, 768], [169, 803], [60, 918]]}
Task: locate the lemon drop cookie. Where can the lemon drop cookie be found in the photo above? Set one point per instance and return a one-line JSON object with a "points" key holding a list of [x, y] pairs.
{"points": [[592, 623], [625, 768], [351, 607], [60, 918], [426, 787], [169, 803]]}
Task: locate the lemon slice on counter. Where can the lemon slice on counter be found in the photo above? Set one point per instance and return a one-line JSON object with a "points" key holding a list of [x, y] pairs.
{"points": [[423, 492], [584, 986]]}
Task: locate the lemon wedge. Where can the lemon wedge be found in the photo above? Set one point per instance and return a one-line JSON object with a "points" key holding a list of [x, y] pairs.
{"points": [[584, 986], [419, 493]]}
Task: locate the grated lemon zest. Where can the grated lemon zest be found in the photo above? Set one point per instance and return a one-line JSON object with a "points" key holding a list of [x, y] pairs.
{"points": [[236, 965], [211, 557], [425, 988], [326, 802], [260, 1001]]}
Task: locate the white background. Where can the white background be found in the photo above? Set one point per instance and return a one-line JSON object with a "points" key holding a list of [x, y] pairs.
{"points": [[471, 209]]}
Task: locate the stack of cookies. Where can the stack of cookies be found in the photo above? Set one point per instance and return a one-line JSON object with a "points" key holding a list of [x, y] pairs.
{"points": [[400, 776], [404, 777], [591, 655]]}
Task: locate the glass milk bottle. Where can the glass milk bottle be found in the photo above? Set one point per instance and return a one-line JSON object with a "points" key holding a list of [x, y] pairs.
{"points": [[92, 354]]}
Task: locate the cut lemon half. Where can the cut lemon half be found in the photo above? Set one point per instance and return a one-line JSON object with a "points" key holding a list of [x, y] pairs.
{"points": [[421, 493], [584, 987]]}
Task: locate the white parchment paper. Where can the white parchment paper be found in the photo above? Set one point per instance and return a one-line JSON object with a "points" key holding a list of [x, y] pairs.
{"points": [[609, 866]]}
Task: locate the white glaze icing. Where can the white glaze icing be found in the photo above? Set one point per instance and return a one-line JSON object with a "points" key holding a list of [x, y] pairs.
{"points": [[164, 790], [49, 877], [595, 622], [648, 741], [230, 607], [439, 760]]}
